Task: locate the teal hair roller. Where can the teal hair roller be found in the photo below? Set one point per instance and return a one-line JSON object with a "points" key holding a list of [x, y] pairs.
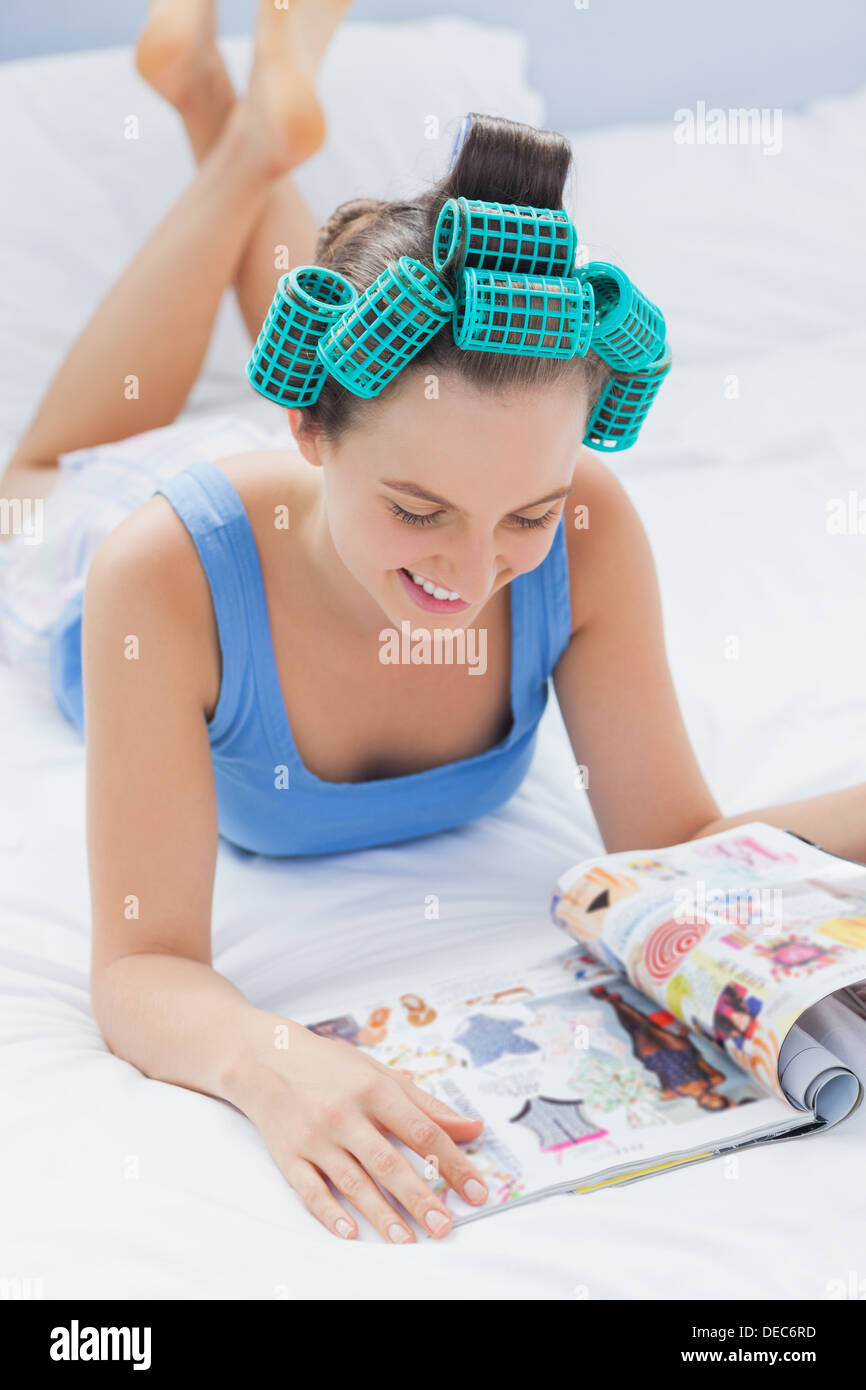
{"points": [[622, 406], [386, 326], [504, 237], [629, 331], [553, 315], [285, 366]]}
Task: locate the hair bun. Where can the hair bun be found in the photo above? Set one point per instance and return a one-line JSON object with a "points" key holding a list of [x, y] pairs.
{"points": [[502, 161]]}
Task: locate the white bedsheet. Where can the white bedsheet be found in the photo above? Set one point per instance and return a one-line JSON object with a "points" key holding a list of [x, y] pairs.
{"points": [[734, 496]]}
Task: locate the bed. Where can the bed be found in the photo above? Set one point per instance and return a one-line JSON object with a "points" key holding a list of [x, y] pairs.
{"points": [[116, 1186]]}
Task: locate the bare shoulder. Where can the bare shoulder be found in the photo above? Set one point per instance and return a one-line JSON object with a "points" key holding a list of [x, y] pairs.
{"points": [[608, 549], [146, 576], [146, 581], [266, 480]]}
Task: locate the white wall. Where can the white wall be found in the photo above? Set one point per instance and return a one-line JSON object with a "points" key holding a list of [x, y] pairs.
{"points": [[615, 60]]}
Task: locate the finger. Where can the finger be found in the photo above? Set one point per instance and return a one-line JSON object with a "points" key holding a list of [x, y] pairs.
{"points": [[432, 1104], [417, 1129], [395, 1173], [318, 1199], [444, 1115], [356, 1185], [461, 1127]]}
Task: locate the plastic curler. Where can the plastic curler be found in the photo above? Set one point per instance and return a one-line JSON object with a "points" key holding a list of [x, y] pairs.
{"points": [[504, 236], [622, 407], [285, 366], [460, 139], [553, 315], [629, 331], [386, 326]]}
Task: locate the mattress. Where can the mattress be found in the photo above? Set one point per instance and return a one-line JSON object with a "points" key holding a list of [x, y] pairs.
{"points": [[115, 1185]]}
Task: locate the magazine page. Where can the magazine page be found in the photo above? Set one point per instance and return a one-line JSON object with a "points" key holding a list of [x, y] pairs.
{"points": [[736, 934], [580, 1079], [854, 999], [835, 1027], [815, 1078]]}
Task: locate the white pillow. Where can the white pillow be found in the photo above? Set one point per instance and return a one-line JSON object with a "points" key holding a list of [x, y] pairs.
{"points": [[79, 196], [744, 251]]}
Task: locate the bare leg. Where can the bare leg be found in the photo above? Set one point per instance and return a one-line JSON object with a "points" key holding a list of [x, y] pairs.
{"points": [[136, 361], [178, 55]]}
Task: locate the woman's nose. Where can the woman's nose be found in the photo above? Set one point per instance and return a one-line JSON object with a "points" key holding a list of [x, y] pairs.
{"points": [[472, 571]]}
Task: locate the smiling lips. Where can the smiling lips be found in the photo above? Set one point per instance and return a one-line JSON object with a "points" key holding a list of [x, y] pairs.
{"points": [[430, 596]]}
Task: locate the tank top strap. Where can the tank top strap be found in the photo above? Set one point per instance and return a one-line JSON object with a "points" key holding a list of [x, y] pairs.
{"points": [[557, 597], [543, 616], [217, 522]]}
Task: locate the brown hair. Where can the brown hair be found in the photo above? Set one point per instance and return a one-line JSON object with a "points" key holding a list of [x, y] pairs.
{"points": [[500, 161]]}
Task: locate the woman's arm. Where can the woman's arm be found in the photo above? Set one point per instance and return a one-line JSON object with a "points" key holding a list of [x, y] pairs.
{"points": [[620, 707], [323, 1108], [835, 821], [149, 671]]}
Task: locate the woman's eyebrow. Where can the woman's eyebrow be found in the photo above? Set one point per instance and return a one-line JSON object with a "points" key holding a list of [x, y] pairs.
{"points": [[415, 490]]}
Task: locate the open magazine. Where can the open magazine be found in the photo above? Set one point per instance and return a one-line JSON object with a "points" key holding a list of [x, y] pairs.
{"points": [[712, 997]]}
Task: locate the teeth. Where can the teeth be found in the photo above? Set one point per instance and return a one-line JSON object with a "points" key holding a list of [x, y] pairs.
{"points": [[435, 589]]}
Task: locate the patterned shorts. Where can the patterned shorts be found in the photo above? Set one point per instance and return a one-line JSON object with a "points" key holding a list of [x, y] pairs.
{"points": [[45, 561]]}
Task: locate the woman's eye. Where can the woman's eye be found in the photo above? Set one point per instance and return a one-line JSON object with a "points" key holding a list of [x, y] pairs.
{"points": [[430, 518], [533, 522], [414, 518]]}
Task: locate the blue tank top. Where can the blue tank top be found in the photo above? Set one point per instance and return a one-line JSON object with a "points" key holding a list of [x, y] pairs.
{"points": [[268, 802]]}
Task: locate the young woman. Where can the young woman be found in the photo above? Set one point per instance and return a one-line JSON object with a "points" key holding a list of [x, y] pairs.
{"points": [[256, 647]]}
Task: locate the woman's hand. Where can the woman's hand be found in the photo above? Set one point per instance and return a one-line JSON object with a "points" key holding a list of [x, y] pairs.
{"points": [[324, 1108]]}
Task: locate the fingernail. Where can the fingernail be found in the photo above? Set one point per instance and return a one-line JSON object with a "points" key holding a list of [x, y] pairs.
{"points": [[435, 1221], [343, 1228], [474, 1191], [398, 1234]]}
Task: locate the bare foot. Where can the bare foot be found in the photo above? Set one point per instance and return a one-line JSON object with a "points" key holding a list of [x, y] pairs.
{"points": [[177, 55], [291, 38]]}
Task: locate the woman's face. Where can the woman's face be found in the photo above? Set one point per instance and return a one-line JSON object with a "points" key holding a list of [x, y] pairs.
{"points": [[463, 492]]}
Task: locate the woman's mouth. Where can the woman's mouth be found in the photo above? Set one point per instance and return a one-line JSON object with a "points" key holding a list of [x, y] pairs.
{"points": [[429, 595]]}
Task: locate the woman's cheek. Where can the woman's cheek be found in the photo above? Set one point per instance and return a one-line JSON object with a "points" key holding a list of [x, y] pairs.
{"points": [[390, 544], [366, 545], [527, 552]]}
